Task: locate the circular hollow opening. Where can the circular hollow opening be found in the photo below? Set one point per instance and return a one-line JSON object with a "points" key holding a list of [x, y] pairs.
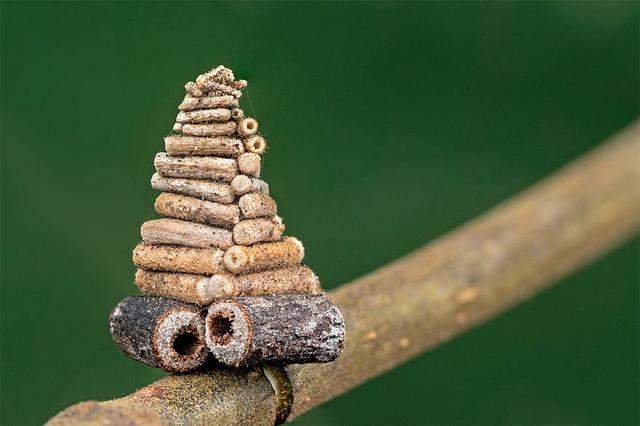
{"points": [[250, 124], [221, 328], [186, 343]]}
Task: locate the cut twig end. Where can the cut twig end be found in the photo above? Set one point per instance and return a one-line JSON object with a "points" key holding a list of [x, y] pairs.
{"points": [[228, 332]]}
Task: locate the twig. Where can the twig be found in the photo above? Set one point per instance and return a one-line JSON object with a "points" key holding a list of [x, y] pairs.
{"points": [[424, 299]]}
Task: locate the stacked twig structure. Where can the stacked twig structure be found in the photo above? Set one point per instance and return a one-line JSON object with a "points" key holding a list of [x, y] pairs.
{"points": [[221, 244]]}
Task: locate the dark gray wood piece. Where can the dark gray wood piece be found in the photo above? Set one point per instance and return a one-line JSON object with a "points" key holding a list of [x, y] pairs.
{"points": [[293, 329]]}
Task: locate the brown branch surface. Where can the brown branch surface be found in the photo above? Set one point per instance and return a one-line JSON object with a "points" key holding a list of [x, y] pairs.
{"points": [[423, 299]]}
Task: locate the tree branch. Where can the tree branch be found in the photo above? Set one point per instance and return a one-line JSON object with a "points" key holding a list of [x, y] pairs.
{"points": [[423, 299]]}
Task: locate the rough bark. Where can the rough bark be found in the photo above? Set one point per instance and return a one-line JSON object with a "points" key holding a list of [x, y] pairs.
{"points": [[249, 164], [204, 116], [188, 288], [197, 210], [159, 332], [445, 288], [190, 103], [257, 204], [191, 260], [243, 184], [251, 231], [224, 169], [179, 232], [199, 188], [292, 329], [223, 146], [211, 129], [264, 256], [296, 279]]}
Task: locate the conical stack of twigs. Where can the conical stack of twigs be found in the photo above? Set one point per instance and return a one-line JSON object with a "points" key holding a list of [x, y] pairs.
{"points": [[216, 272]]}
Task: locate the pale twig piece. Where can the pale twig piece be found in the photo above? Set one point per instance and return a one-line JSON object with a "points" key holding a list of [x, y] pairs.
{"points": [[220, 74], [192, 89], [212, 129], [257, 204], [255, 144], [224, 169], [294, 280], [202, 290], [237, 114], [243, 184], [264, 256], [190, 103], [180, 232], [191, 260], [204, 115], [201, 188], [223, 146], [251, 231], [247, 127], [188, 288], [289, 329], [239, 84], [249, 164], [197, 210], [159, 332]]}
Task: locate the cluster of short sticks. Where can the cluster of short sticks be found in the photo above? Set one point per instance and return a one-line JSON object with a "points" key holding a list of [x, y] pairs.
{"points": [[216, 274]]}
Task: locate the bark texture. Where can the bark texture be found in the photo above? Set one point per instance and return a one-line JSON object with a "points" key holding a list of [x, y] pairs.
{"points": [[199, 188], [251, 231], [257, 204], [196, 210], [264, 256], [211, 129], [159, 332], [296, 279], [444, 288], [224, 169], [181, 233], [222, 146], [288, 329], [190, 103], [204, 116], [249, 164], [189, 288], [192, 260], [243, 184]]}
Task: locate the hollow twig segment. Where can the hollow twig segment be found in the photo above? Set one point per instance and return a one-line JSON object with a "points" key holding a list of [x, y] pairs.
{"points": [[160, 332], [289, 329]]}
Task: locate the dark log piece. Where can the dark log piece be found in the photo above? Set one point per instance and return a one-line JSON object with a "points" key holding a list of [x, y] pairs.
{"points": [[160, 332], [292, 329]]}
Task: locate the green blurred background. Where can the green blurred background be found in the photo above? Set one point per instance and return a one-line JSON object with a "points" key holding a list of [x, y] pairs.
{"points": [[460, 104]]}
